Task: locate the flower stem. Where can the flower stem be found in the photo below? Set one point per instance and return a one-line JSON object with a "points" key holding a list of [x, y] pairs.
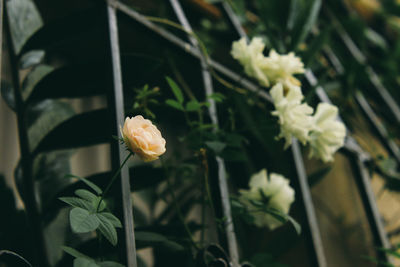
{"points": [[113, 180], [178, 210], [204, 162]]}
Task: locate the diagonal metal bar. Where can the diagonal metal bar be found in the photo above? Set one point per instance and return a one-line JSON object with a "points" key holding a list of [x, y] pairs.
{"points": [[367, 109], [362, 60], [363, 179], [118, 104], [222, 179], [360, 157], [350, 144], [372, 212], [239, 79], [312, 221], [377, 124]]}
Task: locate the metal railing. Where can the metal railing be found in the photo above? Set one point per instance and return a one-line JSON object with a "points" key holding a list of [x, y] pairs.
{"points": [[356, 154]]}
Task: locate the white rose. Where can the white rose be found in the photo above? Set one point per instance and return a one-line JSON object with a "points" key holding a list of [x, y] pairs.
{"points": [[251, 57], [329, 133], [276, 189], [294, 117], [143, 138], [281, 68]]}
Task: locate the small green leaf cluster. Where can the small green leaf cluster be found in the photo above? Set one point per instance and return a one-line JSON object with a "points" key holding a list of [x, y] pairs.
{"points": [[89, 213], [143, 97], [82, 260], [192, 105]]}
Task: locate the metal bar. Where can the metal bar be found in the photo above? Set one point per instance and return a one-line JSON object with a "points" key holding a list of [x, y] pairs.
{"points": [[119, 120], [1, 34], [234, 19], [31, 198], [371, 209], [361, 59], [363, 179], [351, 144], [309, 206], [192, 50], [212, 109], [364, 105], [380, 128]]}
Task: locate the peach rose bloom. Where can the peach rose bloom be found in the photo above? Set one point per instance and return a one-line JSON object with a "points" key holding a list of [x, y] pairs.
{"points": [[143, 138]]}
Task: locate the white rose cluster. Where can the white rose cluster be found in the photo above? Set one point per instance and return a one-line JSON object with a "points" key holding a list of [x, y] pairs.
{"points": [[267, 70], [321, 130], [274, 191]]}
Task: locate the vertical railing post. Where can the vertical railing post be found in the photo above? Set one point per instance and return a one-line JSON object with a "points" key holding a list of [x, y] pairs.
{"points": [[117, 104], [1, 33], [222, 179]]}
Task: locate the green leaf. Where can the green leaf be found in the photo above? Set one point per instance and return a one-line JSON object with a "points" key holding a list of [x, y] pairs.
{"points": [[83, 262], [33, 78], [283, 217], [317, 176], [174, 104], [74, 253], [175, 89], [7, 92], [149, 236], [82, 221], [87, 195], [306, 22], [49, 169], [24, 20], [294, 13], [295, 224], [88, 183], [193, 105], [155, 239], [77, 202], [92, 198], [315, 46], [92, 130], [217, 97], [107, 228], [110, 264], [112, 219], [216, 146], [376, 38], [31, 58], [48, 115]]}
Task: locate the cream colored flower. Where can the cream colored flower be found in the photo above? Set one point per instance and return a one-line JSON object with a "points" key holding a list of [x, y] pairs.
{"points": [[281, 68], [143, 138], [274, 191], [251, 57], [294, 117], [329, 133]]}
